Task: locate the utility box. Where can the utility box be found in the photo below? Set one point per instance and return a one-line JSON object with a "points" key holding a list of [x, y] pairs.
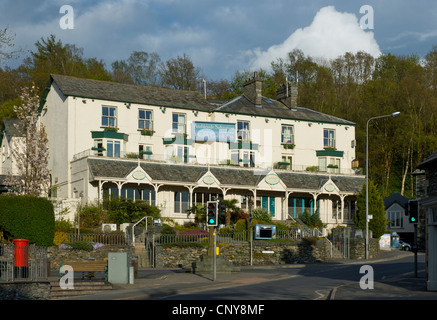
{"points": [[118, 267]]}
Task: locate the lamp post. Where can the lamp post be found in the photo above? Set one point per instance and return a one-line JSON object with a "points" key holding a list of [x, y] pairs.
{"points": [[394, 114]]}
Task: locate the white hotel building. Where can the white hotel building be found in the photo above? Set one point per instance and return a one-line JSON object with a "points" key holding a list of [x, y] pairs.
{"points": [[174, 149]]}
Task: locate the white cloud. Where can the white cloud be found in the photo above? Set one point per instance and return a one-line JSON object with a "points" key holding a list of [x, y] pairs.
{"points": [[330, 35]]}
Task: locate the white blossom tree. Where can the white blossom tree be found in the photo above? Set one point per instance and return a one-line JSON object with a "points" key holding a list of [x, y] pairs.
{"points": [[30, 152]]}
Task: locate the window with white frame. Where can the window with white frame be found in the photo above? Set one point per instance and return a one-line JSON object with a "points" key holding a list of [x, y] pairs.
{"points": [[329, 138], [113, 148], [179, 123], [243, 130], [98, 147], [109, 116], [286, 162], [287, 134], [394, 216], [181, 201], [145, 120], [145, 151]]}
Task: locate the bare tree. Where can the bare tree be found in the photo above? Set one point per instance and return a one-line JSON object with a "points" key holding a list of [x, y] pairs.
{"points": [[6, 44]]}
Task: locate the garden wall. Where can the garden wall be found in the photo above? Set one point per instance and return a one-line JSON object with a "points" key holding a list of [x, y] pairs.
{"points": [[264, 253], [56, 255]]}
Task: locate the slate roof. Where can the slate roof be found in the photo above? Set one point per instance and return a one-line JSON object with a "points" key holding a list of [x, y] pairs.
{"points": [[102, 168], [428, 161], [8, 130], [395, 198], [276, 109], [8, 126], [113, 91], [191, 100]]}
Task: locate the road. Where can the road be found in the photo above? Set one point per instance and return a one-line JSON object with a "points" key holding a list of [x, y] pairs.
{"points": [[325, 281]]}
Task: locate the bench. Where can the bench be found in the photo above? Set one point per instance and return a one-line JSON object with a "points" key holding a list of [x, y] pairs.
{"points": [[87, 266]]}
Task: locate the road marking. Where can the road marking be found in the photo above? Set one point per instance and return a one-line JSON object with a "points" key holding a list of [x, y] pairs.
{"points": [[321, 295]]}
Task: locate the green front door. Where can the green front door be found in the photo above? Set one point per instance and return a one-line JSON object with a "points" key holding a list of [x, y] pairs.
{"points": [[268, 203]]}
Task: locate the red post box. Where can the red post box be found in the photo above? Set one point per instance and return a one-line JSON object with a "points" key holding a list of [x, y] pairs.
{"points": [[21, 258]]}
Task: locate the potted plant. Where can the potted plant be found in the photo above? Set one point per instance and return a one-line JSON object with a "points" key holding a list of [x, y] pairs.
{"points": [[147, 132]]}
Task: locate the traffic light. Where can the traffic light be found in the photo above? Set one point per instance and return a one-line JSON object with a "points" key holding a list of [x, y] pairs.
{"points": [[212, 213], [413, 211], [222, 210]]}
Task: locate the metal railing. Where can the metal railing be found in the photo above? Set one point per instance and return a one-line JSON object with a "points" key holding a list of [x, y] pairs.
{"points": [[294, 233], [113, 239], [23, 263], [222, 160]]}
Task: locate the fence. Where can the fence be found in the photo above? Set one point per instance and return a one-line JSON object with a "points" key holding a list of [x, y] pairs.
{"points": [[234, 237], [202, 237], [113, 239], [19, 262]]}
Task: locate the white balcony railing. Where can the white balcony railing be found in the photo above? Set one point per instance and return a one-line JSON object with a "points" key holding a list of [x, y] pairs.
{"points": [[196, 160]]}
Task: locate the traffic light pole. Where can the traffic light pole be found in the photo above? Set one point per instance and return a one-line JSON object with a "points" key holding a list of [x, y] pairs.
{"points": [[415, 251], [212, 250], [214, 268]]}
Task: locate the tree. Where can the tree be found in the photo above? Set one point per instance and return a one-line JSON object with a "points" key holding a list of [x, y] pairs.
{"points": [[199, 212], [231, 206], [6, 44], [141, 68], [52, 56], [179, 73], [30, 151], [378, 223]]}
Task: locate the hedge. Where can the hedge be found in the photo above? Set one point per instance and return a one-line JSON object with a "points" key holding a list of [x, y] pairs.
{"points": [[28, 217]]}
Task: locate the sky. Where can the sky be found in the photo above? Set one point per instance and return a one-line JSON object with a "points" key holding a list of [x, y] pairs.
{"points": [[224, 36]]}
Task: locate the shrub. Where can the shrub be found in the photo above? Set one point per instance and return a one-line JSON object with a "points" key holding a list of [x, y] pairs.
{"points": [[60, 237], [28, 217], [166, 229], [262, 214], [81, 245], [91, 215], [63, 226]]}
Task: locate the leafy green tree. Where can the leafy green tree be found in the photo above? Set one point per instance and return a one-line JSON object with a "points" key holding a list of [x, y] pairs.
{"points": [[231, 206], [199, 212], [312, 221], [262, 215], [378, 223], [179, 73]]}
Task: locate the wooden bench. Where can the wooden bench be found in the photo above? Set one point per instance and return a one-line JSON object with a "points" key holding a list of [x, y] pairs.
{"points": [[87, 266]]}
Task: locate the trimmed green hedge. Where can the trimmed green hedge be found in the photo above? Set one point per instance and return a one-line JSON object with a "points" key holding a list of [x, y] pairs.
{"points": [[28, 217]]}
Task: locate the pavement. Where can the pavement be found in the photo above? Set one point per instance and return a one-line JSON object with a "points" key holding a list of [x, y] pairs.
{"points": [[158, 283]]}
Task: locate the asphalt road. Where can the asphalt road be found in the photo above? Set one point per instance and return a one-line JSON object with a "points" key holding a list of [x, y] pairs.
{"points": [[393, 279]]}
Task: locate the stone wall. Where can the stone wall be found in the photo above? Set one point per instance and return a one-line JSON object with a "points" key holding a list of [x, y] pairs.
{"points": [[56, 255], [264, 253], [25, 290], [357, 248]]}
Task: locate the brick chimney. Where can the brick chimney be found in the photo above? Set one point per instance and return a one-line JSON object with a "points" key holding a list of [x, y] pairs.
{"points": [[252, 89], [287, 96]]}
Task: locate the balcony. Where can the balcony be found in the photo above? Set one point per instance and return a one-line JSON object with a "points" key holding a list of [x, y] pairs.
{"points": [[222, 162]]}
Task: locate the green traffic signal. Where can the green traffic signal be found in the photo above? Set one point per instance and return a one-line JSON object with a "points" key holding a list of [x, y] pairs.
{"points": [[413, 211], [212, 213]]}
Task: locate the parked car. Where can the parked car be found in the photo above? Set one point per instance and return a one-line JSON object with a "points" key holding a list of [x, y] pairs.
{"points": [[404, 246]]}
